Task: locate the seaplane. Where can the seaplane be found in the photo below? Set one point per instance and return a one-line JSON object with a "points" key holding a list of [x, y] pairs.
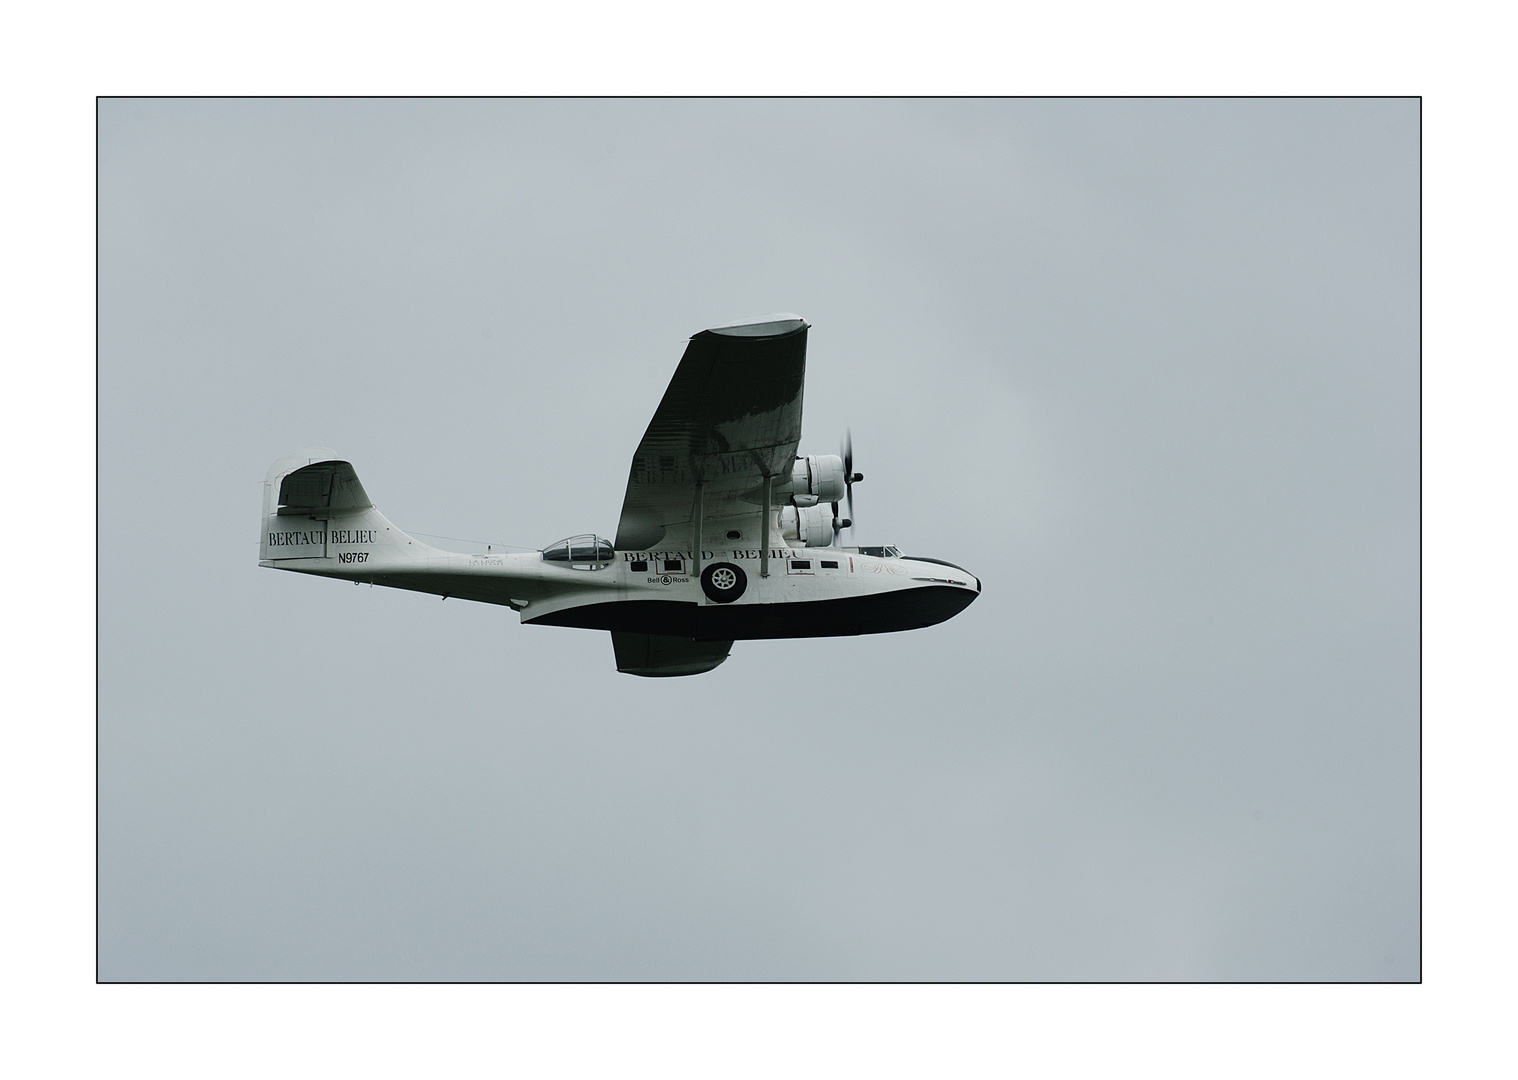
{"points": [[726, 533]]}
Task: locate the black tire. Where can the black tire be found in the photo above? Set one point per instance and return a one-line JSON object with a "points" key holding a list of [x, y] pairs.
{"points": [[723, 582]]}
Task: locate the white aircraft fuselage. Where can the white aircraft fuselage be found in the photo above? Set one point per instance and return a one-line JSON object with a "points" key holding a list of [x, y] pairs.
{"points": [[801, 592], [725, 534]]}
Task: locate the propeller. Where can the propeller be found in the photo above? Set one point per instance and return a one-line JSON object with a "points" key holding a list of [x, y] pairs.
{"points": [[850, 477]]}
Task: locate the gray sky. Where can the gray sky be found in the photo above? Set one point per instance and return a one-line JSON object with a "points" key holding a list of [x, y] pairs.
{"points": [[1149, 369]]}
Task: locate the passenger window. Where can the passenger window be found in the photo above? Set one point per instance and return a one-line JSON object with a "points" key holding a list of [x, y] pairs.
{"points": [[830, 564], [640, 565]]}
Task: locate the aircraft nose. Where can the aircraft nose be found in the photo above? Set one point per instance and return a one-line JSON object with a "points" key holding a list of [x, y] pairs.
{"points": [[961, 577]]}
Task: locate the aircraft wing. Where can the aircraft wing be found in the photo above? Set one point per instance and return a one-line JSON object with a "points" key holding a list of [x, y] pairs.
{"points": [[730, 417]]}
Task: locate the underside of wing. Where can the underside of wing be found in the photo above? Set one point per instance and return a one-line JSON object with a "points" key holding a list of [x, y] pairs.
{"points": [[656, 656], [730, 417]]}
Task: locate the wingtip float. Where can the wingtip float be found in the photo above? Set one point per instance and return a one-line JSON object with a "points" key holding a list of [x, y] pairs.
{"points": [[726, 534]]}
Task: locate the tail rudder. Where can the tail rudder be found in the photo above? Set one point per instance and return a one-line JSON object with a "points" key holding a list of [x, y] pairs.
{"points": [[316, 508]]}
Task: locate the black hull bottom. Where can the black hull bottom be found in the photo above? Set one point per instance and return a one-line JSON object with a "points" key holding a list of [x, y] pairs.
{"points": [[882, 613]]}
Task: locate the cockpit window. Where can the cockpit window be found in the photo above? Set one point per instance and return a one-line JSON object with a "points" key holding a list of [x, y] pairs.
{"points": [[886, 551], [586, 552]]}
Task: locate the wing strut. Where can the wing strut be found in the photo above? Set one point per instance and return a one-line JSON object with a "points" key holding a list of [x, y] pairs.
{"points": [[696, 528], [764, 531]]}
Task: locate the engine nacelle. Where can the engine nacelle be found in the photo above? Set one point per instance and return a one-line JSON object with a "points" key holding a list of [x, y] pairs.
{"points": [[811, 525], [817, 478]]}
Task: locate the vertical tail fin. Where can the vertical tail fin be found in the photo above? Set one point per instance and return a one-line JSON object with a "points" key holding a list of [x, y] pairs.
{"points": [[316, 508]]}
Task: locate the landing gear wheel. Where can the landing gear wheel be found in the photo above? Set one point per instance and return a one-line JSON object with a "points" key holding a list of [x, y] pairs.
{"points": [[723, 582]]}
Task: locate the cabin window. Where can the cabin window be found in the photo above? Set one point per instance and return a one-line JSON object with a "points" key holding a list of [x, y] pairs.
{"points": [[674, 566], [640, 565], [830, 564], [587, 552]]}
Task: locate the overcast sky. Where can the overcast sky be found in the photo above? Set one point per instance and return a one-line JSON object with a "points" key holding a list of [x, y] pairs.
{"points": [[1149, 369]]}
